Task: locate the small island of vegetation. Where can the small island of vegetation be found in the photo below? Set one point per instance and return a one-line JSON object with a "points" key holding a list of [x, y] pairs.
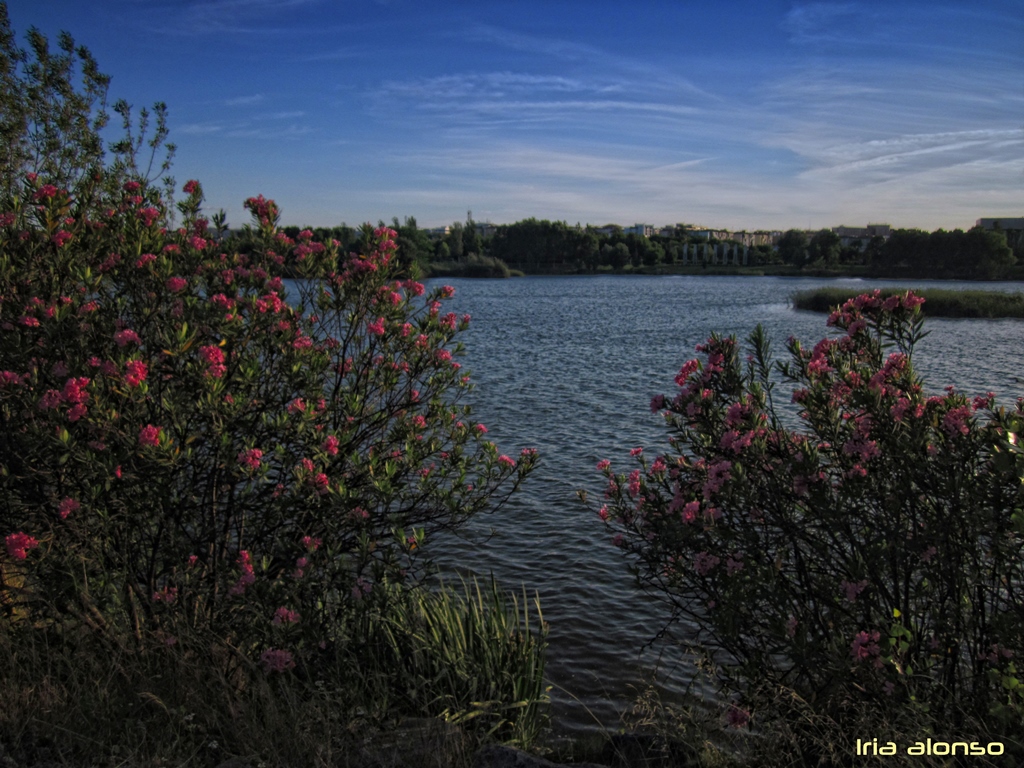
{"points": [[939, 302]]}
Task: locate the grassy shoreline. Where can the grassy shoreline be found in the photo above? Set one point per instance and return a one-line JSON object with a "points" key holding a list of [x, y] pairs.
{"points": [[939, 302]]}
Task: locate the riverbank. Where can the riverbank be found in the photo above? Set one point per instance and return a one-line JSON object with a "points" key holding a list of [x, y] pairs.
{"points": [[938, 302]]}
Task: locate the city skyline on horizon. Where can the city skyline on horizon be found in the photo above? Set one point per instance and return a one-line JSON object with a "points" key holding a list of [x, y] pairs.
{"points": [[758, 116]]}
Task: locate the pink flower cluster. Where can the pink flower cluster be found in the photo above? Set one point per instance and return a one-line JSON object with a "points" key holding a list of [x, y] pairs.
{"points": [[18, 545], [135, 372], [149, 435], [865, 648], [127, 336], [250, 459], [284, 615], [67, 506], [213, 355], [247, 577]]}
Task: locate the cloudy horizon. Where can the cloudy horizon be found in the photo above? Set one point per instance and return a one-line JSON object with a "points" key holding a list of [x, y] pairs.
{"points": [[747, 115]]}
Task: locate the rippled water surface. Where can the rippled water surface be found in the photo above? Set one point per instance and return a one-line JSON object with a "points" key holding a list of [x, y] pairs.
{"points": [[568, 365]]}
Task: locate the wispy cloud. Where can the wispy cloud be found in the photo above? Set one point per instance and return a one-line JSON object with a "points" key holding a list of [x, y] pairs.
{"points": [[244, 101], [198, 129], [824, 22], [544, 46], [267, 132]]}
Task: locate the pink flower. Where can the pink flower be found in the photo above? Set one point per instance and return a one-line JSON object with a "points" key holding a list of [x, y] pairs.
{"points": [[244, 561], [311, 543], [145, 259], [45, 192], [690, 511], [61, 238], [135, 372], [9, 378], [636, 451], [506, 460], [480, 429], [376, 328], [191, 187], [149, 435], [74, 390], [50, 399], [852, 589], [250, 458], [603, 464], [320, 483], [330, 445], [275, 660], [18, 545], [912, 301], [285, 616], [955, 421], [125, 337], [67, 506], [865, 647], [212, 354], [176, 284]]}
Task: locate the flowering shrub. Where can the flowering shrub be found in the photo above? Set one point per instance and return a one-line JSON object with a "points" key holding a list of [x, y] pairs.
{"points": [[188, 444], [869, 560]]}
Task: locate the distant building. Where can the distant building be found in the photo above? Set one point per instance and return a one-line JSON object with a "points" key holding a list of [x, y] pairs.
{"points": [[750, 239], [644, 230], [1005, 224], [438, 231], [849, 235], [708, 234]]}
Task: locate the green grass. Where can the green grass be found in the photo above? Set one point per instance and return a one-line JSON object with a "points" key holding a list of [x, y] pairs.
{"points": [[422, 680], [939, 302], [472, 266]]}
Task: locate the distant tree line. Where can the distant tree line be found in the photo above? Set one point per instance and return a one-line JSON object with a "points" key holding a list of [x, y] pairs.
{"points": [[539, 246], [975, 254]]}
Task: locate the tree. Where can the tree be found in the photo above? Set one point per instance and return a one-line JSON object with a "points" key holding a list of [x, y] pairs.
{"points": [[793, 247], [52, 109], [824, 247], [471, 242], [456, 243]]}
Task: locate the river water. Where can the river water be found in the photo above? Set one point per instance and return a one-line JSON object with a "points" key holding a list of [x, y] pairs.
{"points": [[568, 365]]}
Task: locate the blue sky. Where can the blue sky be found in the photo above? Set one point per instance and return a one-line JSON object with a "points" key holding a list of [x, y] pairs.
{"points": [[740, 114]]}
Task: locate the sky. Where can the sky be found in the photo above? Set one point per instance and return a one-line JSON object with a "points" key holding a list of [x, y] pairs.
{"points": [[733, 114]]}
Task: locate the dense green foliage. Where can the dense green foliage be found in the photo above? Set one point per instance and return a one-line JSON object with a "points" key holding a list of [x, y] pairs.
{"points": [[977, 253], [939, 302]]}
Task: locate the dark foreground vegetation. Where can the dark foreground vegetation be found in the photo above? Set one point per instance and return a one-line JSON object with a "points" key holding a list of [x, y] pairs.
{"points": [[218, 507], [939, 302]]}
